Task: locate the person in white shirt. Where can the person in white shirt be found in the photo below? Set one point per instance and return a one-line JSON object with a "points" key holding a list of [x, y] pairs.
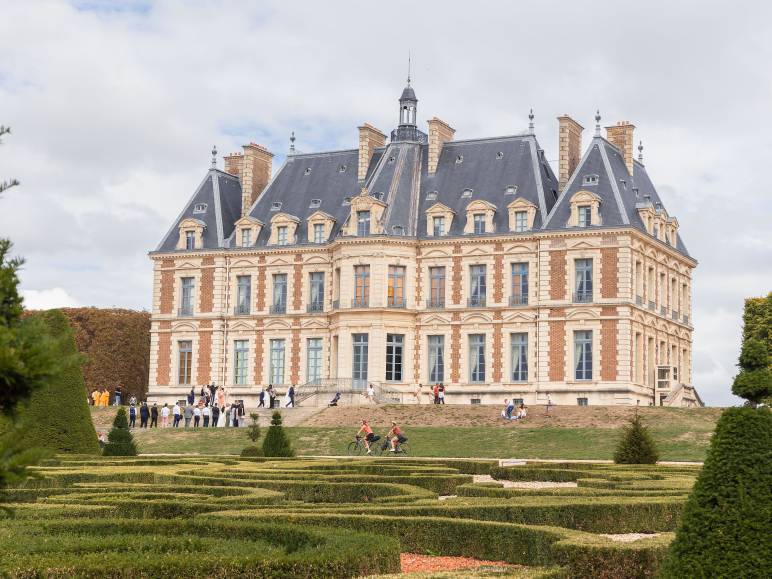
{"points": [[370, 393], [165, 416], [418, 391], [177, 414], [196, 416], [207, 412]]}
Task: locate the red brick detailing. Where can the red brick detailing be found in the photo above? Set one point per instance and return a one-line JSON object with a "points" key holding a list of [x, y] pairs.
{"points": [[455, 349], [164, 354], [558, 275], [260, 294], [606, 311], [456, 275], [418, 278], [608, 272], [207, 288], [416, 353], [259, 353], [608, 350], [204, 371], [498, 275], [558, 312], [557, 351], [167, 286], [297, 282], [295, 354], [498, 351]]}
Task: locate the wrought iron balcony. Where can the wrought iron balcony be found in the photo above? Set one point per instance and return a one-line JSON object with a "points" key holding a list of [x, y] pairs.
{"points": [[639, 300], [518, 300], [435, 304], [185, 312], [396, 302], [584, 297], [279, 309], [476, 302], [360, 303], [241, 310], [315, 308]]}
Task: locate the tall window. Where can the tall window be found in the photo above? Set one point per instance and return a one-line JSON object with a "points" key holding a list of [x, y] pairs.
{"points": [[519, 283], [246, 237], [314, 361], [479, 222], [583, 354], [436, 287], [185, 361], [477, 288], [396, 286], [583, 293], [439, 225], [359, 360], [318, 232], [436, 359], [276, 372], [519, 357], [281, 235], [394, 344], [240, 361], [477, 357], [361, 285], [585, 219], [279, 293], [521, 221], [186, 296], [316, 299], [190, 240], [363, 223], [243, 293]]}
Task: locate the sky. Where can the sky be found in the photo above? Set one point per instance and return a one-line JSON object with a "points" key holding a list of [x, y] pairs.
{"points": [[115, 106]]}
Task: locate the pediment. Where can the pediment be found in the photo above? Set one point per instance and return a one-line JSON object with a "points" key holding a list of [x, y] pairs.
{"points": [[434, 253], [584, 195], [582, 314], [316, 259], [435, 319], [188, 265], [582, 245], [521, 203], [241, 326], [480, 205], [477, 318], [478, 251], [519, 249], [184, 327], [315, 323], [279, 260], [320, 216], [248, 221], [364, 201], [191, 222], [519, 317], [284, 217], [278, 324], [439, 208], [243, 263]]}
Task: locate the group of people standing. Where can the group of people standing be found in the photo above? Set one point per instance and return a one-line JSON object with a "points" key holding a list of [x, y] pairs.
{"points": [[437, 392], [509, 410], [267, 397]]}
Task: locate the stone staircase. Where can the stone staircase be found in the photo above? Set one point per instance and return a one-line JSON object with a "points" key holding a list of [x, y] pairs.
{"points": [[290, 416]]}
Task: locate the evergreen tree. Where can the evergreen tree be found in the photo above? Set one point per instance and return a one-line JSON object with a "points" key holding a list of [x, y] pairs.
{"points": [[276, 442], [637, 445], [120, 442], [725, 528], [253, 432], [754, 382]]}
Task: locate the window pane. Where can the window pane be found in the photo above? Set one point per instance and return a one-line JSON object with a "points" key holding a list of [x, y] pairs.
{"points": [[437, 285], [240, 361], [583, 354], [394, 343], [519, 357], [185, 361], [436, 359], [477, 358], [280, 291], [277, 362], [363, 223], [314, 363]]}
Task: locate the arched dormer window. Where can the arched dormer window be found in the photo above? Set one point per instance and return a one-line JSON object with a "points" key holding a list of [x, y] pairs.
{"points": [[479, 217], [522, 214], [585, 209], [247, 231], [191, 234], [283, 229], [319, 227], [366, 215], [439, 219]]}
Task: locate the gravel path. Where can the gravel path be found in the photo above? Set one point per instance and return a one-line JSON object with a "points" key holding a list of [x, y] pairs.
{"points": [[516, 484], [630, 537], [412, 563]]}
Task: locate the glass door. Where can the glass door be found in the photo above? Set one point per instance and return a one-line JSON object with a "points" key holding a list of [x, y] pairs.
{"points": [[359, 369]]}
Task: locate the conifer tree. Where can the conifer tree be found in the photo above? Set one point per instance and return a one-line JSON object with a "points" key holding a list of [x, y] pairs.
{"points": [[637, 445], [120, 442], [276, 442], [253, 432]]}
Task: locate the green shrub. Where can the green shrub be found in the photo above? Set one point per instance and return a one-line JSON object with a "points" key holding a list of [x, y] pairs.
{"points": [[637, 445], [727, 520], [252, 451], [276, 442], [120, 442]]}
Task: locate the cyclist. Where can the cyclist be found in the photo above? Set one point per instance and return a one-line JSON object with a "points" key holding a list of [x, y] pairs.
{"points": [[369, 436], [395, 436]]}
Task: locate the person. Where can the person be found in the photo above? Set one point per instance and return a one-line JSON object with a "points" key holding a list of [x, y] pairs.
{"points": [[144, 412], [196, 416], [188, 415], [417, 393], [370, 393], [436, 393], [215, 415], [286, 401], [291, 395], [202, 395], [132, 416], [368, 433], [206, 413], [206, 397], [506, 414], [154, 415], [335, 399], [212, 394], [395, 436], [441, 394], [223, 420], [118, 394], [102, 439], [95, 397], [549, 404], [165, 416], [191, 397], [261, 399], [271, 396], [177, 414], [521, 411], [133, 400], [221, 397], [234, 415], [104, 399]]}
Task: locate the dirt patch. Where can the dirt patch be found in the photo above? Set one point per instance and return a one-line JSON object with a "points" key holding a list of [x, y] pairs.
{"points": [[630, 537], [412, 563], [519, 484]]}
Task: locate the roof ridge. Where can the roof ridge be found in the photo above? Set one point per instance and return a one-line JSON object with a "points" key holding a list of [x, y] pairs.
{"points": [[322, 153], [489, 139]]}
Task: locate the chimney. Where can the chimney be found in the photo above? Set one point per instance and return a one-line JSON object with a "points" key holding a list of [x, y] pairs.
{"points": [[621, 136], [569, 148], [233, 164], [439, 133], [370, 139], [255, 174]]}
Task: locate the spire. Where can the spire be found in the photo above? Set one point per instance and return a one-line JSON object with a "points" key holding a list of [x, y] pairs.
{"points": [[214, 156], [530, 122], [640, 152], [408, 68], [597, 123], [292, 143]]}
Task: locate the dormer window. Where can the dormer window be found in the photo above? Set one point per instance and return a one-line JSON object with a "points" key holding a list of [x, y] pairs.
{"points": [[347, 201], [246, 237], [190, 239], [479, 223], [363, 223], [191, 234], [342, 169], [510, 190], [379, 195], [397, 230], [584, 213], [590, 180], [521, 221], [199, 208], [459, 159], [315, 204], [439, 225], [318, 232], [307, 171], [431, 196], [585, 210], [276, 206], [281, 235], [500, 155], [466, 193]]}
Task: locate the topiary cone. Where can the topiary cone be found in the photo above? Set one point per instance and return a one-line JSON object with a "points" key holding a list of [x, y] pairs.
{"points": [[276, 442], [120, 442]]}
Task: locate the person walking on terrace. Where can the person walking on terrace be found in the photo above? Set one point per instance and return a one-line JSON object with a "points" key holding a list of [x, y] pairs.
{"points": [[165, 416], [206, 412], [191, 397], [144, 412], [132, 416], [441, 394], [215, 415], [291, 397], [436, 392], [177, 414], [196, 416], [154, 415], [188, 415], [261, 399]]}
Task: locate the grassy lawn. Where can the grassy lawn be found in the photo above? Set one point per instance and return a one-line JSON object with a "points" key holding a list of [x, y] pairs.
{"points": [[676, 441]]}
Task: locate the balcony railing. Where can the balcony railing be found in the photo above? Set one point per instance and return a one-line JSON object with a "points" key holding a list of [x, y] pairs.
{"points": [[686, 319], [315, 308], [335, 304], [435, 304], [582, 297], [518, 300], [652, 307], [279, 309], [396, 302], [675, 315], [639, 300], [662, 311], [360, 303], [476, 302], [185, 312], [241, 310]]}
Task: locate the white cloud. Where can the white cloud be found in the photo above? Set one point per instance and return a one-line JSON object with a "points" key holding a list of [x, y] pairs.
{"points": [[47, 299], [115, 106]]}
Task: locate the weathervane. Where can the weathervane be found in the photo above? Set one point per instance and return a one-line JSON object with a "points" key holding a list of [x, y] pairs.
{"points": [[597, 123], [214, 156], [530, 122]]}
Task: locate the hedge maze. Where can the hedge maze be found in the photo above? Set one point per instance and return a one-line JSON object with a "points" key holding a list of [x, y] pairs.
{"points": [[218, 516]]}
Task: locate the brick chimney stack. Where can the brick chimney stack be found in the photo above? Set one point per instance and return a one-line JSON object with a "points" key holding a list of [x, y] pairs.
{"points": [[569, 148], [255, 174], [370, 139], [439, 133], [233, 164], [621, 136]]}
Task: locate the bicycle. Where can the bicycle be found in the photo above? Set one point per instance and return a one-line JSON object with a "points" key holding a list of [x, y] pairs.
{"points": [[402, 447], [357, 446]]}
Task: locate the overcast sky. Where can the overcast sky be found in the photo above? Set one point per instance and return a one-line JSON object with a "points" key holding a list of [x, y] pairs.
{"points": [[115, 106]]}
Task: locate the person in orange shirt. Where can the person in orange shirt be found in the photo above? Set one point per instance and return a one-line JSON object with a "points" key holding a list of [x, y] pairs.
{"points": [[368, 432], [95, 397], [104, 399]]}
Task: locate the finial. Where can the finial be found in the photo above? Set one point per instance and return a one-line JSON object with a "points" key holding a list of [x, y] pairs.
{"points": [[408, 68], [530, 122], [597, 123], [640, 151], [214, 156], [292, 143]]}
